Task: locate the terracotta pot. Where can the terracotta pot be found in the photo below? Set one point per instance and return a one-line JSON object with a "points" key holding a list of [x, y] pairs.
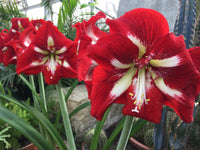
{"points": [[138, 145], [30, 147]]}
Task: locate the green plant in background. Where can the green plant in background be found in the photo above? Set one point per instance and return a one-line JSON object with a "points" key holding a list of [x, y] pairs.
{"points": [[14, 135], [8, 10], [3, 138], [101, 142]]}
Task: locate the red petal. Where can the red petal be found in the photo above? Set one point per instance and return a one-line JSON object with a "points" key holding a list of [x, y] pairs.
{"points": [[9, 55], [171, 46], [89, 28], [151, 110], [27, 36], [25, 60], [102, 84], [195, 53], [147, 25], [114, 47], [182, 77], [38, 23], [19, 24]]}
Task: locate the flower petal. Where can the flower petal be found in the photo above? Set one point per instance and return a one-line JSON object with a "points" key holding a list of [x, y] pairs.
{"points": [[151, 108], [195, 53], [178, 79], [111, 52], [101, 96], [89, 28], [145, 25]]}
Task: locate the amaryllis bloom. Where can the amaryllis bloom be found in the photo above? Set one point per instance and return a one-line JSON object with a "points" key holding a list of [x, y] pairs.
{"points": [[10, 43], [51, 53], [145, 66], [87, 34], [28, 34]]}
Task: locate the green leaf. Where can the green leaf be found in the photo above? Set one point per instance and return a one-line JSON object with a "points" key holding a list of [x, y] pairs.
{"points": [[82, 106], [114, 134], [41, 118], [98, 129], [26, 129]]}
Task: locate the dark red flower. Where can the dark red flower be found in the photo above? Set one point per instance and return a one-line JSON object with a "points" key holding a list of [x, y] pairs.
{"points": [[51, 53], [87, 34], [142, 64]]}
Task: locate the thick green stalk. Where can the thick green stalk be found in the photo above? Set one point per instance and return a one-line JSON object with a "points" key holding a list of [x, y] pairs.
{"points": [[125, 133], [65, 117], [35, 100], [42, 91]]}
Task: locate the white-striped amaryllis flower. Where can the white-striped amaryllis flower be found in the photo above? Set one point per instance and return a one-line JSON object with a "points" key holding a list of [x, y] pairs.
{"points": [[87, 34], [143, 66], [51, 53]]}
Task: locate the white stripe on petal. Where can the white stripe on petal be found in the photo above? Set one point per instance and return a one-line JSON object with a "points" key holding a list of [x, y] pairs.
{"points": [[138, 43], [37, 49], [66, 64], [60, 51], [116, 63], [123, 83], [36, 63], [50, 41], [166, 89], [168, 62], [20, 25]]}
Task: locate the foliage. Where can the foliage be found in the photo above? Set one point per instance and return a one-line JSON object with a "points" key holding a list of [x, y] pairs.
{"points": [[14, 135], [8, 10]]}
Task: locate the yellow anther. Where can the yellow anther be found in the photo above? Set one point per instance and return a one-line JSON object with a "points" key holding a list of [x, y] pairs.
{"points": [[135, 101], [142, 95], [131, 94], [147, 100], [139, 106]]}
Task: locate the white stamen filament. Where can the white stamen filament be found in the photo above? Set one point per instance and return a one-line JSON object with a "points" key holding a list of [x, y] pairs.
{"points": [[140, 93]]}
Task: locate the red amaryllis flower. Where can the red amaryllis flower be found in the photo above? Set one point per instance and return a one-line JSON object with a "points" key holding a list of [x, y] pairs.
{"points": [[144, 65], [87, 34], [10, 43], [51, 53], [28, 34], [8, 47]]}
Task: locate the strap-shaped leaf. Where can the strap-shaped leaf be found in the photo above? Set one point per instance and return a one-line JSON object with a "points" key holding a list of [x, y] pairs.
{"points": [[41, 118], [27, 130]]}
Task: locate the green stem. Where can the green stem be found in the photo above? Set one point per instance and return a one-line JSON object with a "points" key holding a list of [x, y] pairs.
{"points": [[98, 129], [125, 133], [65, 117], [58, 116], [42, 91], [35, 101]]}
